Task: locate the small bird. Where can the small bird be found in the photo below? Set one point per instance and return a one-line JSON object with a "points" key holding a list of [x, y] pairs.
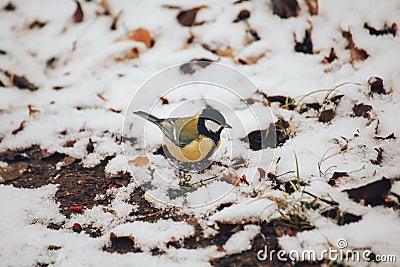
{"points": [[191, 139]]}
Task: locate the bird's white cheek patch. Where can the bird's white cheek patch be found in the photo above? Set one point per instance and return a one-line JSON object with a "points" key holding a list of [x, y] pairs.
{"points": [[212, 126]]}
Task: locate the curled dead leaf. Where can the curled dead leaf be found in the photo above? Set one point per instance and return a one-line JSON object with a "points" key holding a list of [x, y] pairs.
{"points": [[385, 30], [140, 35], [20, 81], [20, 128], [326, 116], [78, 15], [251, 59], [306, 46], [139, 161], [285, 8], [13, 171], [187, 17], [243, 15], [331, 57], [129, 54], [357, 54], [312, 7], [66, 161], [231, 178]]}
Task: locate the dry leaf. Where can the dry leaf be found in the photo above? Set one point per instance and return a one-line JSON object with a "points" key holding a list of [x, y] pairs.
{"points": [[12, 171], [386, 29], [36, 24], [312, 7], [164, 100], [32, 110], [78, 15], [231, 178], [227, 52], [285, 8], [21, 82], [9, 7], [250, 59], [375, 85], [187, 17], [326, 116], [357, 54], [130, 54], [331, 57], [69, 143], [306, 46], [362, 110], [90, 146], [243, 15], [68, 160], [250, 37], [107, 10], [139, 161], [20, 128], [140, 35]]}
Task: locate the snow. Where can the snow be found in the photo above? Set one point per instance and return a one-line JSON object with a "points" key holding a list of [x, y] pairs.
{"points": [[98, 95], [241, 241], [166, 230]]}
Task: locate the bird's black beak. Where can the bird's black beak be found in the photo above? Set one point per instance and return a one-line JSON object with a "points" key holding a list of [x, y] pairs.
{"points": [[227, 126]]}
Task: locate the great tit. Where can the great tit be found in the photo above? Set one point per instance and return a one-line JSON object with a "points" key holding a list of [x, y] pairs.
{"points": [[191, 139]]}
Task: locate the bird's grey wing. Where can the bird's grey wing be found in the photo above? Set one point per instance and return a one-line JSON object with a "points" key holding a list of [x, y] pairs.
{"points": [[171, 128]]}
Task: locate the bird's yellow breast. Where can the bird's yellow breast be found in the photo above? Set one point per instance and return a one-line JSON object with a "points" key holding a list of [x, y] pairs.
{"points": [[195, 151]]}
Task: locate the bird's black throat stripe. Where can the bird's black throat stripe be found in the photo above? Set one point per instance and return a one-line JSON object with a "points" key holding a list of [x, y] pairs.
{"points": [[201, 128]]}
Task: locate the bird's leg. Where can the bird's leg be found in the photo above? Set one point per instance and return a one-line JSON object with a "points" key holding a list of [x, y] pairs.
{"points": [[184, 178]]}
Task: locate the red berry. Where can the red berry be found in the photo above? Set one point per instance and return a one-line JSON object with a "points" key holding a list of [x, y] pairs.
{"points": [[75, 208], [77, 228]]}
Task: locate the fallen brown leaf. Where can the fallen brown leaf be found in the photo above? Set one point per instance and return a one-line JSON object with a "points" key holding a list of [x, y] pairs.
{"points": [[243, 15], [285, 8], [21, 82], [106, 7], [20, 128], [326, 116], [139, 161], [140, 35], [69, 143], [251, 59], [36, 24], [306, 46], [231, 178], [68, 160], [187, 17], [12, 171], [362, 110], [386, 29], [331, 57], [10, 6], [357, 54], [77, 17], [375, 85], [379, 157], [312, 7]]}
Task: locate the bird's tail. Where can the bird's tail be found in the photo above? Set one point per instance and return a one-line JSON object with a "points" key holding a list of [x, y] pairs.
{"points": [[148, 117]]}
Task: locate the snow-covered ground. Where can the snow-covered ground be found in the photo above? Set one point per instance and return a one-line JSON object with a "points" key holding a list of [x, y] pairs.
{"points": [[89, 76]]}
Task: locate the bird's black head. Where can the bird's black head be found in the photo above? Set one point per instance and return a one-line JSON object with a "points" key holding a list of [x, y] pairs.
{"points": [[211, 123]]}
